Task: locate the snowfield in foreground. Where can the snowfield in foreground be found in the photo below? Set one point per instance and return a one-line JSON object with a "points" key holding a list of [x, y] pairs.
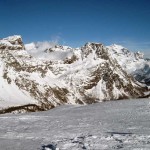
{"points": [[102, 126]]}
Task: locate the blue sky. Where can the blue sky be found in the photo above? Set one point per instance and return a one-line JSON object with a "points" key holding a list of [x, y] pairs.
{"points": [[75, 22]]}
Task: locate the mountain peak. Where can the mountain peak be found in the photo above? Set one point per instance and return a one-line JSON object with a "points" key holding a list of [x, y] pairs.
{"points": [[12, 43], [13, 38]]}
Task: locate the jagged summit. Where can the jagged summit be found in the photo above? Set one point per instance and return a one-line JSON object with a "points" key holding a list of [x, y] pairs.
{"points": [[13, 38], [12, 43], [38, 77]]}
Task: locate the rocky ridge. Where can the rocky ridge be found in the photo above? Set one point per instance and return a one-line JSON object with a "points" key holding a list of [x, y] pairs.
{"points": [[83, 75]]}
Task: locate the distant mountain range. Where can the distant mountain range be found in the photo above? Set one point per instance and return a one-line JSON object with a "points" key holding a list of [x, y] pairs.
{"points": [[36, 78]]}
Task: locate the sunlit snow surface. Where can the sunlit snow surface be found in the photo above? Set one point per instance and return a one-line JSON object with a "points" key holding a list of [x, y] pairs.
{"points": [[121, 125]]}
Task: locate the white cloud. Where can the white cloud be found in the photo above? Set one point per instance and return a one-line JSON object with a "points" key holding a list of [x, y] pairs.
{"points": [[37, 50], [41, 46]]}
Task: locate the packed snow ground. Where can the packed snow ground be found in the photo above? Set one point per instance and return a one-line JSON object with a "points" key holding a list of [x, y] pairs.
{"points": [[102, 126]]}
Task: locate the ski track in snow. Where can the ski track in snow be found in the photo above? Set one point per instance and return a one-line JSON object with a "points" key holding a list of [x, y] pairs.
{"points": [[102, 126]]}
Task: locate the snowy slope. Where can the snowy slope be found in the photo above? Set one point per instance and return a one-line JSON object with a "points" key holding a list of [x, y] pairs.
{"points": [[48, 75], [104, 126]]}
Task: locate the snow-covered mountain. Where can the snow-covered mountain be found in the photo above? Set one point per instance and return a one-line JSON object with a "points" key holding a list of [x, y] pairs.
{"points": [[35, 77], [133, 63]]}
